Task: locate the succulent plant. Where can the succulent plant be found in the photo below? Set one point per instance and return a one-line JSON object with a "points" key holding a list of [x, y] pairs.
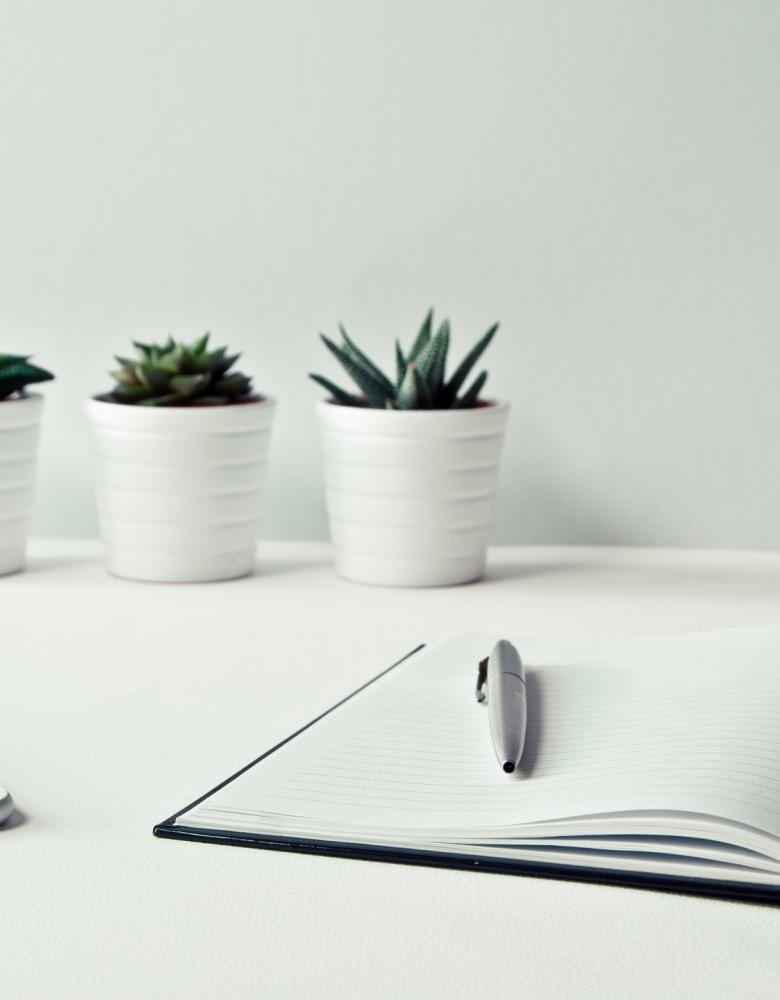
{"points": [[178, 374], [420, 380], [16, 373]]}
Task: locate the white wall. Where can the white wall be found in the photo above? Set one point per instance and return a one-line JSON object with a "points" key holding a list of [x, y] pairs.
{"points": [[600, 175]]}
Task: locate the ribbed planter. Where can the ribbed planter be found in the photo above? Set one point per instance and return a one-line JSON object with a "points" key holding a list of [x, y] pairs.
{"points": [[179, 489], [19, 426], [410, 494]]}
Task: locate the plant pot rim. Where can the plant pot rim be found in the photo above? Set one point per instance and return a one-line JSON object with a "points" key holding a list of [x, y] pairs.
{"points": [[259, 401], [491, 406]]}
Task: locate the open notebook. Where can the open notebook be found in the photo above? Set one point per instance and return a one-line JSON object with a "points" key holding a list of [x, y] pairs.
{"points": [[651, 761]]}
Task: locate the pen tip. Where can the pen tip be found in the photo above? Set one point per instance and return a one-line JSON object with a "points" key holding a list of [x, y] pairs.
{"points": [[508, 766]]}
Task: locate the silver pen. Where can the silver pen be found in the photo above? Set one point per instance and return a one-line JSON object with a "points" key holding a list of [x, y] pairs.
{"points": [[507, 708]]}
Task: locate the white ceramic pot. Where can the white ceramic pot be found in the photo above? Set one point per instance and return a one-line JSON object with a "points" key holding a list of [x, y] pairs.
{"points": [[179, 488], [410, 493], [20, 421]]}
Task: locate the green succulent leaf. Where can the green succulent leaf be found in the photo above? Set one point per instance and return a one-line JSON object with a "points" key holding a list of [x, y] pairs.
{"points": [[471, 395], [365, 362], [339, 394], [151, 377], [131, 393], [16, 373], [145, 351], [422, 337], [189, 385], [234, 385], [420, 375], [452, 387], [430, 356], [424, 395], [400, 364], [200, 345], [436, 376], [374, 390], [169, 361], [179, 374], [187, 364], [125, 376], [217, 361], [407, 397]]}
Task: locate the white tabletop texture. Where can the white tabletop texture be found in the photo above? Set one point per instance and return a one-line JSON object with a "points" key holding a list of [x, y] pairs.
{"points": [[122, 702]]}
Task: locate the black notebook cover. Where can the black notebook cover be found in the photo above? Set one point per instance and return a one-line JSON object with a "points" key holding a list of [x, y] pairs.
{"points": [[606, 876]]}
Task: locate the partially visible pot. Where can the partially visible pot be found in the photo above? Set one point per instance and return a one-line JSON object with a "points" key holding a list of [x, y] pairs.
{"points": [[19, 430], [410, 493], [179, 488]]}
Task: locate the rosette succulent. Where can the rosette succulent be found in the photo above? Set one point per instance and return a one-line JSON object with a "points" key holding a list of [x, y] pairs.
{"points": [[420, 382], [16, 373], [179, 374]]}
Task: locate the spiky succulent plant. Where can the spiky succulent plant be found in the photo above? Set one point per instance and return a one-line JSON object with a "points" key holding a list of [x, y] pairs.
{"points": [[420, 378], [16, 373], [179, 374]]}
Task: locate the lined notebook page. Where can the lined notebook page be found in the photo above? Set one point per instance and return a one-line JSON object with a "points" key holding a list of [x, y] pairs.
{"points": [[623, 731]]}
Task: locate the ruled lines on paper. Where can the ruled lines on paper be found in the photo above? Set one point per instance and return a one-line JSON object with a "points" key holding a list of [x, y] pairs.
{"points": [[687, 723]]}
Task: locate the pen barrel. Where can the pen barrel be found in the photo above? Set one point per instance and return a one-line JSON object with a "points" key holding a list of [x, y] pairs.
{"points": [[508, 718]]}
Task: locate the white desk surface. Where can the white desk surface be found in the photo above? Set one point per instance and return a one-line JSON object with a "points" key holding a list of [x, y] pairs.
{"points": [[122, 702]]}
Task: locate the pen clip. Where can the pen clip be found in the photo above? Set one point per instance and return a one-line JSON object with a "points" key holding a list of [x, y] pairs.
{"points": [[481, 679]]}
